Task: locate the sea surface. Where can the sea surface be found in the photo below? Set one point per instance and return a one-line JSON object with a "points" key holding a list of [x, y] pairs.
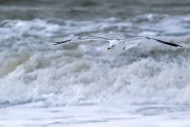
{"points": [[82, 84]]}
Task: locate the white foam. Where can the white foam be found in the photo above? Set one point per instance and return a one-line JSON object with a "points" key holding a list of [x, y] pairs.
{"points": [[88, 116]]}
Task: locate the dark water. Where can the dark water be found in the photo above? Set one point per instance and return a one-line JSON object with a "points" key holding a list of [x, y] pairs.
{"points": [[89, 9]]}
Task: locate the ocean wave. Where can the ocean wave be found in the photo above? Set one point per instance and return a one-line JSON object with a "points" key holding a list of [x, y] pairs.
{"points": [[33, 70]]}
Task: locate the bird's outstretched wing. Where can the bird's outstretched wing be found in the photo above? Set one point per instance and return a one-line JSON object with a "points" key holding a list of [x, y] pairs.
{"points": [[150, 38], [164, 42], [91, 37]]}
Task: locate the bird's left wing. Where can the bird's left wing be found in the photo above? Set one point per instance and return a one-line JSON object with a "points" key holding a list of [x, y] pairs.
{"points": [[132, 41]]}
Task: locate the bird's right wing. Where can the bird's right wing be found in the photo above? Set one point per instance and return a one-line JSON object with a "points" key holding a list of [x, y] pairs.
{"points": [[88, 38]]}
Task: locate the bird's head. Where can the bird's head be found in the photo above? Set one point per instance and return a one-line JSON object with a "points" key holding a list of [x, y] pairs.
{"points": [[113, 44]]}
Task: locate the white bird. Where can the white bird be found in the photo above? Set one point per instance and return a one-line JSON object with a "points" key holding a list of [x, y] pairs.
{"points": [[119, 43]]}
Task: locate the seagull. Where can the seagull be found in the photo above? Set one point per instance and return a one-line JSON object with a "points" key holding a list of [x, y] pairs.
{"points": [[119, 43]]}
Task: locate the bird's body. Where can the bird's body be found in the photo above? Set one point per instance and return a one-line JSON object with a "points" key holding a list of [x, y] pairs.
{"points": [[115, 44], [120, 44]]}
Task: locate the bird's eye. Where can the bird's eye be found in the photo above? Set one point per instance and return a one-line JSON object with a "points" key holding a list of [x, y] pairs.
{"points": [[112, 46]]}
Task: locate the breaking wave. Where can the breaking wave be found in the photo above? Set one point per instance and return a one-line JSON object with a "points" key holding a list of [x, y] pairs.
{"points": [[32, 70]]}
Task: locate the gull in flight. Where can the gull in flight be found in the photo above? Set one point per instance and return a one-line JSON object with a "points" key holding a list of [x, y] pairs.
{"points": [[119, 43]]}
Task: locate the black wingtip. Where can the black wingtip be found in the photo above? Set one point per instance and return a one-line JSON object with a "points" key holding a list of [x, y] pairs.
{"points": [[57, 43], [180, 46]]}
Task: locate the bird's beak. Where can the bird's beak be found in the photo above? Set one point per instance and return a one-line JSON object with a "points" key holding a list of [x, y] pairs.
{"points": [[109, 48]]}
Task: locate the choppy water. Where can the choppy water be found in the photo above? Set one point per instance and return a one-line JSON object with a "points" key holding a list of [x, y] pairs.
{"points": [[84, 84]]}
